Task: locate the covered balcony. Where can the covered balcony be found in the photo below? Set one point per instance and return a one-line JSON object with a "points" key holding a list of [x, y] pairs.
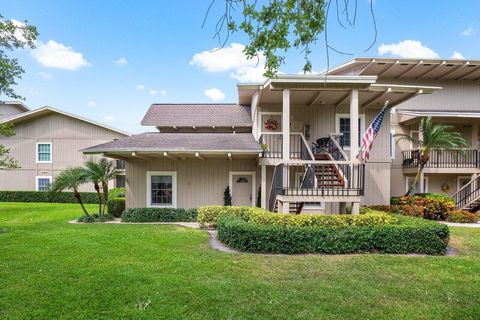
{"points": [[441, 158]]}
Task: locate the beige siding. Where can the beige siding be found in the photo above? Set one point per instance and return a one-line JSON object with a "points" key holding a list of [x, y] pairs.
{"points": [[198, 182], [9, 110], [67, 135]]}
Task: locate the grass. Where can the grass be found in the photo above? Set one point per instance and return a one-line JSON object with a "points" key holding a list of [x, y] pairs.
{"points": [[50, 269]]}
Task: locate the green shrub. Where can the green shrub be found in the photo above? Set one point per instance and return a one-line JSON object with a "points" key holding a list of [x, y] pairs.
{"points": [[51, 197], [159, 215], [407, 235], [462, 216], [207, 215], [95, 218], [117, 193], [429, 206], [115, 206]]}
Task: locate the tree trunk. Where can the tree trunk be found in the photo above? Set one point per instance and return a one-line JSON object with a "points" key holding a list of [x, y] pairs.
{"points": [[105, 196], [99, 195], [423, 160], [79, 198]]}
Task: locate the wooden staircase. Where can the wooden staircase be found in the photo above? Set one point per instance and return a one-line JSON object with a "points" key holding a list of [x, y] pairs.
{"points": [[468, 197], [328, 175], [294, 207]]}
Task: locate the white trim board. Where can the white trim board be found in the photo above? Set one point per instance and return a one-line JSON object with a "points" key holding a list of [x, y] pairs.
{"points": [[254, 183], [148, 199], [425, 185]]}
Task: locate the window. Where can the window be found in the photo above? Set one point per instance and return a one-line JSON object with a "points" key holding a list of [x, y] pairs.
{"points": [[43, 183], [343, 126], [409, 182], [120, 164], [44, 152], [162, 189], [120, 181]]}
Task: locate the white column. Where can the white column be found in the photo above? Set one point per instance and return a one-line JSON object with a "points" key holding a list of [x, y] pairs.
{"points": [[421, 186], [263, 187], [285, 207], [286, 124], [353, 124], [475, 135], [356, 208]]}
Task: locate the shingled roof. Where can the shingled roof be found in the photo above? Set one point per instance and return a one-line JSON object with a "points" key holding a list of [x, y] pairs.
{"points": [[199, 115], [178, 142]]}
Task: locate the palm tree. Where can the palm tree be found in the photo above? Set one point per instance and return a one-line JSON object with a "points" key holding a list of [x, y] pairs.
{"points": [[100, 172], [71, 179], [432, 136]]}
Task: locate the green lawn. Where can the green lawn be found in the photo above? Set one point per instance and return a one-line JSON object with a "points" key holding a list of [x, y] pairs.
{"points": [[50, 269]]}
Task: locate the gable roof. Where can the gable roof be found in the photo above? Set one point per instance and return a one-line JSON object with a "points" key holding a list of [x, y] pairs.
{"points": [[199, 115], [411, 68], [46, 110], [19, 105], [180, 142]]}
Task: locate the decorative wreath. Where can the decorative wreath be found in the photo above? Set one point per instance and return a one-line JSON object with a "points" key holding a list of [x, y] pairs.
{"points": [[271, 124], [445, 187]]}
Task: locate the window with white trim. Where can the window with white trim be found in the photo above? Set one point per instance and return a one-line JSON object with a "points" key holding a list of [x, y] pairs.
{"points": [[162, 188], [409, 182], [44, 152], [43, 183], [343, 126]]}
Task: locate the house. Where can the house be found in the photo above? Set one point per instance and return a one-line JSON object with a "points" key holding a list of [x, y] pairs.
{"points": [[452, 172], [263, 146], [46, 141]]}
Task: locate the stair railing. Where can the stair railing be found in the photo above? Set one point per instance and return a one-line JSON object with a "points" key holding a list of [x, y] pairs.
{"points": [[276, 187], [468, 193]]}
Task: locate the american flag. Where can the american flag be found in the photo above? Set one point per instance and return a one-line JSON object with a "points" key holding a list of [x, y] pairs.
{"points": [[371, 134]]}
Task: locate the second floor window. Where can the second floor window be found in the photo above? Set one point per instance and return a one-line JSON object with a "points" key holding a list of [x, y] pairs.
{"points": [[44, 152]]}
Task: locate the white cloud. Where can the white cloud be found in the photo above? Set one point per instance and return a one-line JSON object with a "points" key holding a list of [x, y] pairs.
{"points": [[140, 87], [457, 55], [163, 92], [121, 62], [215, 94], [55, 55], [231, 59], [108, 118], [45, 76], [18, 34], [468, 32], [407, 49], [91, 103], [153, 92]]}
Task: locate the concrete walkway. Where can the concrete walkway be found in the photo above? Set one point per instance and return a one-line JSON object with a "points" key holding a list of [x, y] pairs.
{"points": [[463, 225]]}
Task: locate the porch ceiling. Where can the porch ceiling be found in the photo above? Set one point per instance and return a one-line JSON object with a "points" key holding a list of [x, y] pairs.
{"points": [[201, 155], [373, 95]]}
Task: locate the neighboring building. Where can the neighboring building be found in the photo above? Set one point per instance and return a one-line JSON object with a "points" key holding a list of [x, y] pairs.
{"points": [[264, 143], [457, 104], [47, 141]]}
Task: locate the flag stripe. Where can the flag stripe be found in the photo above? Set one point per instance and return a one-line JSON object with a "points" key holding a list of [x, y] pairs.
{"points": [[370, 135]]}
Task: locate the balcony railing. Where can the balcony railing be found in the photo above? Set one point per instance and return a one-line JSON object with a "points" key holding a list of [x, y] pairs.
{"points": [[468, 194], [273, 146], [315, 178], [441, 158]]}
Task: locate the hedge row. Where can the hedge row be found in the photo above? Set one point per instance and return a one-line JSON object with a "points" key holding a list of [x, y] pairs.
{"points": [[408, 235], [42, 196], [208, 215], [159, 215], [116, 206], [427, 206]]}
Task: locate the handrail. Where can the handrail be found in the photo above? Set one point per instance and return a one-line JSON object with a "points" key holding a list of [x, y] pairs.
{"points": [[273, 188], [463, 197], [443, 158], [335, 142]]}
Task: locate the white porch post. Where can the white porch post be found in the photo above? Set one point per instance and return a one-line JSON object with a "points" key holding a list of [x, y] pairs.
{"points": [[263, 187], [286, 124], [353, 124], [421, 185], [356, 208], [475, 135]]}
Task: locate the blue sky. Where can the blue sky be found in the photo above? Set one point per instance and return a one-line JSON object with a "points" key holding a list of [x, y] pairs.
{"points": [[109, 60]]}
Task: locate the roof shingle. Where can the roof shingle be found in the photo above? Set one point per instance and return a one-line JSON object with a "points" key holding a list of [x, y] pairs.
{"points": [[155, 141], [199, 115]]}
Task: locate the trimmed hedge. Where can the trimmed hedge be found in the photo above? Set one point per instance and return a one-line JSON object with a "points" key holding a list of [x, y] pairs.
{"points": [[116, 206], [207, 215], [159, 215], [42, 196], [117, 193], [462, 216], [408, 235]]}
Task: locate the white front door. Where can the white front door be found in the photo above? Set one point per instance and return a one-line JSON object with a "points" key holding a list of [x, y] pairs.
{"points": [[242, 189]]}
